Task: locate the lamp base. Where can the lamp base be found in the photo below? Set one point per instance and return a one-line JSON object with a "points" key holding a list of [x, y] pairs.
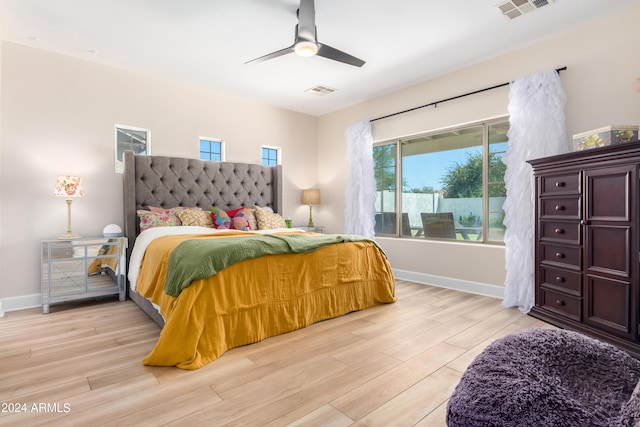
{"points": [[310, 224], [70, 235]]}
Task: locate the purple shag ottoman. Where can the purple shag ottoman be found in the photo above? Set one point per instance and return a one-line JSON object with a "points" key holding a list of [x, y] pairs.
{"points": [[548, 377]]}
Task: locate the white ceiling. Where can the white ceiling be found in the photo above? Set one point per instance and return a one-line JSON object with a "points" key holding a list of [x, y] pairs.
{"points": [[207, 42]]}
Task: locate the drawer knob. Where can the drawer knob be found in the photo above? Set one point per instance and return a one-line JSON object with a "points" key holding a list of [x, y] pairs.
{"points": [[560, 302], [559, 279], [559, 230], [559, 208], [559, 184], [559, 255]]}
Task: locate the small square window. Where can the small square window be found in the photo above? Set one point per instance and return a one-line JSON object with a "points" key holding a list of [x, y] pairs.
{"points": [[211, 149], [271, 156]]}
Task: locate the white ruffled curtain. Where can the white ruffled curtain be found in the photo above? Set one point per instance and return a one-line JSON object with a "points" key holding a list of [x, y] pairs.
{"points": [[360, 197], [537, 129]]}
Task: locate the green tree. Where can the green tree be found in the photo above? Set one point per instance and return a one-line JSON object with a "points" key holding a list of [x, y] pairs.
{"points": [[465, 179], [384, 166], [427, 189]]}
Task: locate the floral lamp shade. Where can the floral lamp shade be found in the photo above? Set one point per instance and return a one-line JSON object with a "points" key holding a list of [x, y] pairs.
{"points": [[69, 186]]}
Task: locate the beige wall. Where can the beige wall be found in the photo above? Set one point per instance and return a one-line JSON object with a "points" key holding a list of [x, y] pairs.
{"points": [[58, 116], [600, 83]]}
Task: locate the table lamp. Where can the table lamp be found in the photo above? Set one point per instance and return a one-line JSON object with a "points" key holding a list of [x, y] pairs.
{"points": [[69, 187], [310, 197]]}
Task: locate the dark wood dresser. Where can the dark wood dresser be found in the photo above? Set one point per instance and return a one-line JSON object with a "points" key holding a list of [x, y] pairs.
{"points": [[586, 233]]}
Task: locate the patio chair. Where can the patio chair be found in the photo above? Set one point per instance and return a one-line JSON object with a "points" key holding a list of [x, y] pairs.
{"points": [[439, 225]]}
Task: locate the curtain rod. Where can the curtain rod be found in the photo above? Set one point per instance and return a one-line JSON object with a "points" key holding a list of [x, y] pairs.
{"points": [[450, 99]]}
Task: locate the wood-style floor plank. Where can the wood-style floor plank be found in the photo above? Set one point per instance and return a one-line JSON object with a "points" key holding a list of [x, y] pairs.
{"points": [[395, 364]]}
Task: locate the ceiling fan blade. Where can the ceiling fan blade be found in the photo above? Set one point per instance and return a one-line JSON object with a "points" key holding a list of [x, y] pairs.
{"points": [[306, 29], [272, 55], [338, 55]]}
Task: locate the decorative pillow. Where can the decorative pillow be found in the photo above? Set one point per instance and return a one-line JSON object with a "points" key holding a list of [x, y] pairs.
{"points": [[233, 212], [220, 218], [253, 222], [157, 209], [172, 210], [240, 220], [268, 220], [150, 219], [196, 217]]}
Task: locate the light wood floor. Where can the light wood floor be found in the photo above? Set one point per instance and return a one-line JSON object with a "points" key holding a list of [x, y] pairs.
{"points": [[395, 364]]}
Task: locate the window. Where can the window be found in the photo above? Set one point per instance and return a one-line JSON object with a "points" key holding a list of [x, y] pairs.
{"points": [[134, 139], [452, 184], [211, 149], [271, 156]]}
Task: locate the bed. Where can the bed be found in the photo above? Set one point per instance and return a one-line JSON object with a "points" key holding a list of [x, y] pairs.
{"points": [[252, 298]]}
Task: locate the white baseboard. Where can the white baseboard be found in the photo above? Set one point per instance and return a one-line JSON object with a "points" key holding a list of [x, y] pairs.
{"points": [[485, 289], [20, 303]]}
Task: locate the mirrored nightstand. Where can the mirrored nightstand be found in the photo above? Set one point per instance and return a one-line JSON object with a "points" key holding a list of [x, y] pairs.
{"points": [[315, 229], [83, 268]]}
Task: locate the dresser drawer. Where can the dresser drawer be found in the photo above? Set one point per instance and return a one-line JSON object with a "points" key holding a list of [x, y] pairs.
{"points": [[566, 256], [560, 303], [560, 184], [566, 232], [560, 207], [562, 280]]}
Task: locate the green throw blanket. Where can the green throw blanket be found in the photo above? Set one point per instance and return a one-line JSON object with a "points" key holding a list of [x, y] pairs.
{"points": [[200, 258]]}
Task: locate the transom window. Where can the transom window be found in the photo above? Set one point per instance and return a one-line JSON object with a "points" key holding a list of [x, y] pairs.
{"points": [[134, 139], [270, 156], [452, 184], [211, 149]]}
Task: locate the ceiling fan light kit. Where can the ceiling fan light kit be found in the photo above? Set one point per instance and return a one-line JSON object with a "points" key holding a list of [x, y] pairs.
{"points": [[306, 41], [306, 48]]}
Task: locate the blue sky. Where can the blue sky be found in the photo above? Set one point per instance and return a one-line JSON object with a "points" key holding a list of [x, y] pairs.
{"points": [[417, 174]]}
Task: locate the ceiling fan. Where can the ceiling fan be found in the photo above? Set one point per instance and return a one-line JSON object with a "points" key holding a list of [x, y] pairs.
{"points": [[306, 40]]}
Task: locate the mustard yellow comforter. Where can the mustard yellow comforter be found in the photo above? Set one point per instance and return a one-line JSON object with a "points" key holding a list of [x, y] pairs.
{"points": [[259, 298]]}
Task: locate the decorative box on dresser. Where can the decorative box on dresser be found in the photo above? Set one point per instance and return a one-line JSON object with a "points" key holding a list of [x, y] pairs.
{"points": [[586, 233]]}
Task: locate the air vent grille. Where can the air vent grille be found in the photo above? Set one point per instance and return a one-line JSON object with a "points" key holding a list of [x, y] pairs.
{"points": [[514, 8], [320, 90]]}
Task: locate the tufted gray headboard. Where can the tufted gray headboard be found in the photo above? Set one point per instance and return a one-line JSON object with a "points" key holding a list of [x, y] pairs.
{"points": [[173, 181]]}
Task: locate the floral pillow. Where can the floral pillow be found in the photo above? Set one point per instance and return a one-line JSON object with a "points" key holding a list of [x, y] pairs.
{"points": [[220, 219], [240, 220], [268, 220], [196, 217], [150, 219]]}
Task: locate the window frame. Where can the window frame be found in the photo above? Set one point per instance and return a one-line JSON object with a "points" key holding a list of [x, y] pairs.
{"points": [[397, 149], [278, 152], [210, 140], [119, 165]]}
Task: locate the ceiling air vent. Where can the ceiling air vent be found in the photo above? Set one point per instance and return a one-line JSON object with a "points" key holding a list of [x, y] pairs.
{"points": [[514, 8], [320, 90]]}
